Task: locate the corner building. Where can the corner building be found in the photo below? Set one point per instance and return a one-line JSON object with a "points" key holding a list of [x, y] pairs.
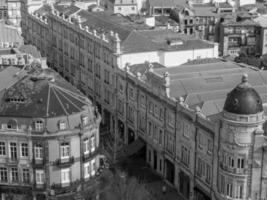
{"points": [[49, 136], [241, 145]]}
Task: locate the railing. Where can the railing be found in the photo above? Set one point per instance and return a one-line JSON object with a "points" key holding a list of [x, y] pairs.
{"points": [[64, 162], [90, 155], [38, 163], [12, 160]]}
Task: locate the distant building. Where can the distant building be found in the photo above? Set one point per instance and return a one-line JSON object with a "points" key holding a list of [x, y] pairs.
{"points": [[124, 7], [3, 10], [14, 13], [49, 133], [262, 21], [158, 7], [239, 37], [9, 36]]}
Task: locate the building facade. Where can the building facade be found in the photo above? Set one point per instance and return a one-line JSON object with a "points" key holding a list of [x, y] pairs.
{"points": [[14, 15], [49, 135], [239, 37]]}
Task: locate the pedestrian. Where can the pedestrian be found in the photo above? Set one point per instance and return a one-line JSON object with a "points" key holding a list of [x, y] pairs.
{"points": [[164, 189]]}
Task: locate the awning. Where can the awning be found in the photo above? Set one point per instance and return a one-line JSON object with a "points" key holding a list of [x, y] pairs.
{"points": [[134, 147]]}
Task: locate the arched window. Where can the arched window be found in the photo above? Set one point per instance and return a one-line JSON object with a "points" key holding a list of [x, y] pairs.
{"points": [[12, 124]]}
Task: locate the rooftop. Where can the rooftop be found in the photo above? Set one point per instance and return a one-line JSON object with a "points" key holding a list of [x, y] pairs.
{"points": [[166, 3], [36, 92], [9, 34], [206, 84]]}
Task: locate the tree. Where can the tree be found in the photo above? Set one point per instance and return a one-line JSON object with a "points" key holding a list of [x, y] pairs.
{"points": [[123, 187]]}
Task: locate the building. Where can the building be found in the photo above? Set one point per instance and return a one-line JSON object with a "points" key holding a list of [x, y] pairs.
{"points": [[157, 7], [239, 37], [49, 132], [124, 7], [14, 15], [87, 48], [207, 144], [3, 10], [9, 36], [261, 20]]}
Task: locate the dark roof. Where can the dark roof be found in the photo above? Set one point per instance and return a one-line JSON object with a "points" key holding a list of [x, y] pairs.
{"points": [[9, 34], [43, 93], [225, 5], [243, 99]]}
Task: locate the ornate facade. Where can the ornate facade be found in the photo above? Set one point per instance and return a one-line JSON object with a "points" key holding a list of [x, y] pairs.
{"points": [[49, 131]]}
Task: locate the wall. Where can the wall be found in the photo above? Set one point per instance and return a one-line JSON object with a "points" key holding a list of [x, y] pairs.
{"points": [[125, 9]]}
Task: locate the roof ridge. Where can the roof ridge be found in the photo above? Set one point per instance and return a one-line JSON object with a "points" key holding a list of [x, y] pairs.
{"points": [[60, 102], [58, 90]]}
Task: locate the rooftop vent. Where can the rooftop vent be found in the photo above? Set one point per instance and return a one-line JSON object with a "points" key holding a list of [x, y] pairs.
{"points": [[174, 42]]}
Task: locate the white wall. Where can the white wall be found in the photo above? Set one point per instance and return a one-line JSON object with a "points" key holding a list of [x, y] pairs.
{"points": [[246, 2], [168, 58], [125, 9]]}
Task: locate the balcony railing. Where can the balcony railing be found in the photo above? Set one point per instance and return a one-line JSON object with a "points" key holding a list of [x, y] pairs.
{"points": [[14, 161], [64, 162], [90, 155]]}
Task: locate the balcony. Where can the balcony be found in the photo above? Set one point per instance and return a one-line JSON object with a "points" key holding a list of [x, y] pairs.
{"points": [[90, 155], [64, 162]]}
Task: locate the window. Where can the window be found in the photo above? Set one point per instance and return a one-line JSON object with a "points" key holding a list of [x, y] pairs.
{"points": [[143, 101], [3, 174], [62, 125], [64, 150], [24, 150], [39, 174], [170, 142], [65, 175], [131, 93], [160, 137], [150, 107], [155, 133], [171, 119], [86, 145], [133, 8], [106, 76], [240, 163], [239, 191], [93, 143], [93, 167], [85, 120], [107, 96], [38, 125], [231, 161], [222, 184], [12, 124], [185, 155], [14, 174], [208, 173], [13, 150], [38, 151], [186, 132], [150, 128], [87, 170], [119, 8], [210, 146], [229, 190], [149, 156], [156, 110], [200, 140], [26, 175], [2, 148]]}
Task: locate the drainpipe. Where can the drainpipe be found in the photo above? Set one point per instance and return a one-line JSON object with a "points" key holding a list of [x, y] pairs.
{"points": [[262, 157]]}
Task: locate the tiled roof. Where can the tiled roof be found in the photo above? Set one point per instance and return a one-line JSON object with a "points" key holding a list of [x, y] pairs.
{"points": [[206, 85], [44, 10], [45, 94], [66, 10], [9, 34]]}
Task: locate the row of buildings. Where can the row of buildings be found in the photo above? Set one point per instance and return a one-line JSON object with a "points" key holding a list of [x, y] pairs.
{"points": [[207, 144], [49, 130]]}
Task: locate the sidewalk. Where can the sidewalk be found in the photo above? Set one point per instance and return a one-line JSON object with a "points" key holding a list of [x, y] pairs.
{"points": [[138, 168]]}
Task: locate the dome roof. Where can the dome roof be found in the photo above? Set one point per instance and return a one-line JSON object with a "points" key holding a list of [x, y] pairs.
{"points": [[243, 99]]}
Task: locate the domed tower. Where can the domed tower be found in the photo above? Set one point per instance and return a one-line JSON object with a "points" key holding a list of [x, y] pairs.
{"points": [[241, 124]]}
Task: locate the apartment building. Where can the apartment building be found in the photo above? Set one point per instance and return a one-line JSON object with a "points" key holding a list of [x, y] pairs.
{"points": [[14, 15], [88, 48], [207, 144], [49, 132], [9, 36], [239, 37]]}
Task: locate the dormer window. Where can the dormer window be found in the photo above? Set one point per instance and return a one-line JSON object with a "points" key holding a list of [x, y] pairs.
{"points": [[85, 120], [12, 124], [38, 125], [62, 125]]}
